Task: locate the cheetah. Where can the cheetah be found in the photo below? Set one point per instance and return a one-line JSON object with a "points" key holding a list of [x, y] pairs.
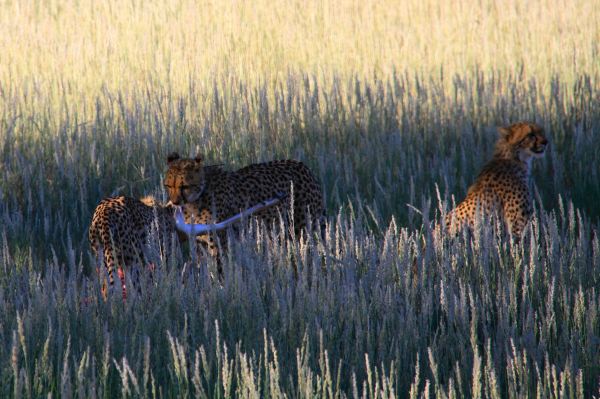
{"points": [[120, 230], [210, 194], [502, 187]]}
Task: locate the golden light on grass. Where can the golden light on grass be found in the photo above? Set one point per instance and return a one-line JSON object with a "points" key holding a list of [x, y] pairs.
{"points": [[84, 46]]}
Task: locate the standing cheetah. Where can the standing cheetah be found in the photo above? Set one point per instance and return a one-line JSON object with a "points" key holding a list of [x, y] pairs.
{"points": [[120, 230], [502, 187], [211, 194]]}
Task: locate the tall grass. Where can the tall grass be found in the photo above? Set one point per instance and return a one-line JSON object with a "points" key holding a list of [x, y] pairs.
{"points": [[393, 105], [72, 50], [365, 316]]}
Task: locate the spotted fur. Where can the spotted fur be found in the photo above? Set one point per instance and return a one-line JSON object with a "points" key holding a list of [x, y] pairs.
{"points": [[120, 230], [211, 194], [502, 187]]}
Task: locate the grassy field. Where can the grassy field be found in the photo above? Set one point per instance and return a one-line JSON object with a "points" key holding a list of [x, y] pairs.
{"points": [[394, 106]]}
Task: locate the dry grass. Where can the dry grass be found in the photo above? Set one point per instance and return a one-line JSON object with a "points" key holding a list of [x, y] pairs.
{"points": [[388, 103], [81, 47]]}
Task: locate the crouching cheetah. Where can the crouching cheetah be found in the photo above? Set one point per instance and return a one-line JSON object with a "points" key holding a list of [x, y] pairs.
{"points": [[502, 187], [120, 229], [211, 194]]}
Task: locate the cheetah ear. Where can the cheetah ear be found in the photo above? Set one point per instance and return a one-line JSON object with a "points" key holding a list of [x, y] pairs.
{"points": [[198, 159], [172, 157], [504, 132]]}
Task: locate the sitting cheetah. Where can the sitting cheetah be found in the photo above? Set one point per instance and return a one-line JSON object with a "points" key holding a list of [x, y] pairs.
{"points": [[502, 187], [120, 228], [212, 194]]}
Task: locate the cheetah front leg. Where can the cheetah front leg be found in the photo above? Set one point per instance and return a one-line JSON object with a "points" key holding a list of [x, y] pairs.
{"points": [[463, 215], [212, 245], [517, 223], [517, 216]]}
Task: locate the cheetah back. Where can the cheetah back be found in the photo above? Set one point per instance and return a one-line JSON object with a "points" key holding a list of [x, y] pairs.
{"points": [[500, 189], [120, 227]]}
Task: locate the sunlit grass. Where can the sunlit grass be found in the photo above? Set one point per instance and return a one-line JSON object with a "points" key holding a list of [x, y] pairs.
{"points": [[74, 49]]}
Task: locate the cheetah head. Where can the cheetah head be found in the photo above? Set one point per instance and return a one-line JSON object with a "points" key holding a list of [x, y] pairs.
{"points": [[521, 140], [185, 179]]}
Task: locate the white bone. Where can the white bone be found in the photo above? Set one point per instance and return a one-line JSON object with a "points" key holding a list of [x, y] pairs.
{"points": [[195, 229]]}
